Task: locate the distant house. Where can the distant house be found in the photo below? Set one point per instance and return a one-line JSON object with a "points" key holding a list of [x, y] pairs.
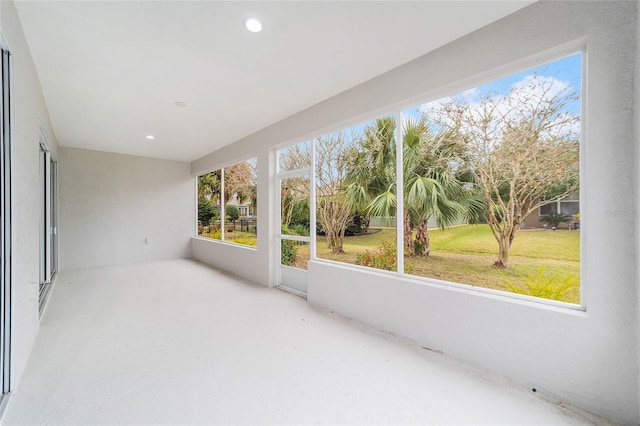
{"points": [[569, 206], [245, 207]]}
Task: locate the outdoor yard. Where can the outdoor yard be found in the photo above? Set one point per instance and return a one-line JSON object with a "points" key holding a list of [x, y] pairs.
{"points": [[543, 263]]}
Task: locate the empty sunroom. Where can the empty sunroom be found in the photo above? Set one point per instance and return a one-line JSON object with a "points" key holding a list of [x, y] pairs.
{"points": [[168, 171]]}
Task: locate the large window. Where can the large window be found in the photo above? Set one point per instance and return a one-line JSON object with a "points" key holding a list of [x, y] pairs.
{"points": [[490, 156], [355, 173], [235, 188], [471, 171]]}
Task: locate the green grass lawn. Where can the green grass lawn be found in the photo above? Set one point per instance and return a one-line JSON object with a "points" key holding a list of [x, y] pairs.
{"points": [[465, 254]]}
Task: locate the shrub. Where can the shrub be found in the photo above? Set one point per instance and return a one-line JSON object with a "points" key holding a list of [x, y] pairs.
{"points": [[540, 284], [383, 258], [216, 234], [301, 230], [555, 219], [206, 211], [288, 252], [232, 212], [357, 225], [288, 249], [244, 239], [300, 214]]}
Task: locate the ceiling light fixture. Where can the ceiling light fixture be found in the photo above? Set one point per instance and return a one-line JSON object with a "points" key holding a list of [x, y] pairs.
{"points": [[253, 25], [150, 137]]}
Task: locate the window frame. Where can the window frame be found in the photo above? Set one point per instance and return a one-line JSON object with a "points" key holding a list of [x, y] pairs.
{"points": [[6, 224], [541, 59], [222, 239]]}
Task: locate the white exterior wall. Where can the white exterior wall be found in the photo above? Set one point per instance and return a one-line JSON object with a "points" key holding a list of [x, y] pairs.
{"points": [[587, 358], [120, 209], [29, 112]]}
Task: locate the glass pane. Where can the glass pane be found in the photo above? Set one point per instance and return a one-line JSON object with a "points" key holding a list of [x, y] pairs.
{"points": [[569, 208], [356, 195], [209, 197], [478, 167], [572, 197], [294, 205], [294, 253], [241, 206], [550, 208], [294, 157]]}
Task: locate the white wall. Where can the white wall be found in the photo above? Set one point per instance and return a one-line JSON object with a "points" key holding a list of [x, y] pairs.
{"points": [[109, 204], [587, 358], [29, 110]]}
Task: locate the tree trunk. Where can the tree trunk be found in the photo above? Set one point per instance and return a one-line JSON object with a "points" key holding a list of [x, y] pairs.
{"points": [[408, 241], [504, 245], [422, 237], [336, 246]]}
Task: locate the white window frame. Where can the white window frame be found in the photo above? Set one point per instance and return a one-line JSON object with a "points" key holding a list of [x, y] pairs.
{"points": [[576, 48], [223, 206], [48, 223]]}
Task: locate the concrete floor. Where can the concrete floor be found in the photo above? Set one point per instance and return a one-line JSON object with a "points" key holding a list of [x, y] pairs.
{"points": [[176, 342]]}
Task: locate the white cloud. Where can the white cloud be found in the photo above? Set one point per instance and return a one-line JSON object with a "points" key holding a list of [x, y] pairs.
{"points": [[525, 99]]}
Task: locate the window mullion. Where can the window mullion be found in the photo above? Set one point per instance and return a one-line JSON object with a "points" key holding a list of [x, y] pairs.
{"points": [[399, 196], [312, 204], [222, 206]]}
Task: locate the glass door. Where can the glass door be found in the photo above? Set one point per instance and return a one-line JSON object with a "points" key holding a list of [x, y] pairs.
{"points": [[294, 192], [48, 219], [5, 220]]}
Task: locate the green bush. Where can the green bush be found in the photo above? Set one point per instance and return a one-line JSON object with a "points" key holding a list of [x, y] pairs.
{"points": [[555, 219], [301, 230], [288, 249], [288, 252], [232, 212], [300, 214], [540, 284], [206, 212]]}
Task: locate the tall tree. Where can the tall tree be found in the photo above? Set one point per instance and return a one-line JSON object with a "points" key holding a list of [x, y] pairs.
{"points": [[431, 187], [295, 190], [524, 149], [239, 182], [332, 211], [372, 168], [209, 186]]}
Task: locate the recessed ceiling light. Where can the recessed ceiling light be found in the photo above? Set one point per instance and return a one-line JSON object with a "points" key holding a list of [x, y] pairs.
{"points": [[181, 104], [150, 137], [253, 25]]}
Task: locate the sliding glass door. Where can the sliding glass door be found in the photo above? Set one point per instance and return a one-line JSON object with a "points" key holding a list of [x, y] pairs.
{"points": [[48, 220], [5, 218]]}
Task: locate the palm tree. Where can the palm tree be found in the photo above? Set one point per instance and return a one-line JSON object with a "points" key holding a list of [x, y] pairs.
{"points": [[431, 187], [209, 186], [373, 168], [554, 219]]}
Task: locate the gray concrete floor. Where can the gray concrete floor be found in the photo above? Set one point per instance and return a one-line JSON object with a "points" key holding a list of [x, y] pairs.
{"points": [[177, 342]]}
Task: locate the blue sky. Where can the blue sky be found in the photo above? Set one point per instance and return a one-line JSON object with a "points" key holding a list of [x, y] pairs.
{"points": [[567, 70]]}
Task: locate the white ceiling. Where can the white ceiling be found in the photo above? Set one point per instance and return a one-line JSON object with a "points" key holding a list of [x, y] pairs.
{"points": [[112, 71]]}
